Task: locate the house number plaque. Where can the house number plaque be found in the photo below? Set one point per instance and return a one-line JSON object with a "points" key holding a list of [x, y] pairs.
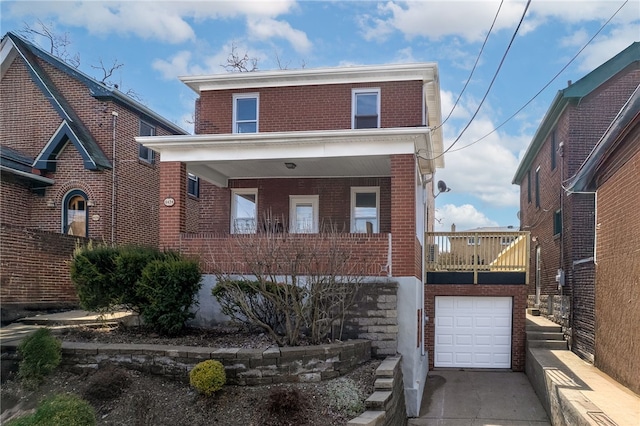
{"points": [[169, 202]]}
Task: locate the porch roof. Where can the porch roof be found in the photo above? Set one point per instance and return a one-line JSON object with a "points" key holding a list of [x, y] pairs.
{"points": [[328, 153]]}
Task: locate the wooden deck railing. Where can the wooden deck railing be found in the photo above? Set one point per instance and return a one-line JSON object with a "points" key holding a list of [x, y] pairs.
{"points": [[477, 252]]}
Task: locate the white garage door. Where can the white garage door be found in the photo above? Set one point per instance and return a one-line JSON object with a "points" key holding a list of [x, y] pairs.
{"points": [[473, 331]]}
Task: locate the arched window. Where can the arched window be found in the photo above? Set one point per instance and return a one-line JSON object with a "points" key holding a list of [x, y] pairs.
{"points": [[75, 214]]}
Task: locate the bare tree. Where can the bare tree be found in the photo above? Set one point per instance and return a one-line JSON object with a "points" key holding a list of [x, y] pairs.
{"points": [[238, 63], [58, 42]]}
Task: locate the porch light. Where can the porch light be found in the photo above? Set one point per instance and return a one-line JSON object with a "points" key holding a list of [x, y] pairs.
{"points": [[290, 166], [51, 203]]}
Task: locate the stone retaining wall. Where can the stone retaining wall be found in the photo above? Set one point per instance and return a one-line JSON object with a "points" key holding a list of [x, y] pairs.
{"points": [[242, 366], [386, 405]]}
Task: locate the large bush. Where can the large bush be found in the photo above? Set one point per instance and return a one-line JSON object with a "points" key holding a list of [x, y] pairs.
{"points": [[40, 354], [161, 286], [57, 410], [168, 289]]}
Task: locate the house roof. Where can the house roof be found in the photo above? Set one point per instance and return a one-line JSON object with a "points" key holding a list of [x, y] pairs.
{"points": [[330, 153], [71, 129], [18, 164], [426, 72], [584, 180], [574, 93]]}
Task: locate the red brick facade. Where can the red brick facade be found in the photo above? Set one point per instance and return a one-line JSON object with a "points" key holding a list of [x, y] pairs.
{"points": [[128, 215], [578, 128]]}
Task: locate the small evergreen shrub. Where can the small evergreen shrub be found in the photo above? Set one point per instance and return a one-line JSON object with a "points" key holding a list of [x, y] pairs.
{"points": [[57, 410], [169, 289], [344, 395], [92, 275], [40, 354], [208, 377], [285, 401]]}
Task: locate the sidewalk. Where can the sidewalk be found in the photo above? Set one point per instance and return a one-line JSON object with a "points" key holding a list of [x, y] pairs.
{"points": [[575, 391]]}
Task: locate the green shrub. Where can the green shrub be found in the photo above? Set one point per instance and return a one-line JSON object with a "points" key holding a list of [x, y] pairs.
{"points": [[161, 286], [57, 410], [344, 395], [208, 377], [40, 354], [169, 289]]}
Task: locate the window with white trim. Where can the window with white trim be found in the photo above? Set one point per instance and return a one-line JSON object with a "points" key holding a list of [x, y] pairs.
{"points": [[144, 153], [303, 214], [193, 185], [244, 211], [245, 112], [365, 109], [365, 209]]}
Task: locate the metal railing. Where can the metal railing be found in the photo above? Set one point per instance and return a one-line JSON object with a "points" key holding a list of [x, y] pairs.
{"points": [[477, 252]]}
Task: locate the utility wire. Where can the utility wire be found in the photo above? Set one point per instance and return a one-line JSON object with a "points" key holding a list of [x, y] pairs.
{"points": [[495, 18], [543, 87]]}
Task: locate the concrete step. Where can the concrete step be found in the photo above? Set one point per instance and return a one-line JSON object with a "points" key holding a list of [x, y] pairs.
{"points": [[543, 328], [533, 311], [543, 335], [548, 344]]}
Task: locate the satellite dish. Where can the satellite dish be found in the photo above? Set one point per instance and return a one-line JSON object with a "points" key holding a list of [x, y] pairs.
{"points": [[518, 215], [442, 187]]}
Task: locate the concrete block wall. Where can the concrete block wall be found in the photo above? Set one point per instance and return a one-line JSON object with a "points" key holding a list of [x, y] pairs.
{"points": [[386, 406]]}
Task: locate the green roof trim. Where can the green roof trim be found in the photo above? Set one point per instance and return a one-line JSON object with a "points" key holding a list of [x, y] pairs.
{"points": [[574, 93]]}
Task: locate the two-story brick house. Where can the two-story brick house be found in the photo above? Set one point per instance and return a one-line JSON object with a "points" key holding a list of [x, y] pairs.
{"points": [[562, 277], [70, 168], [612, 170], [311, 152]]}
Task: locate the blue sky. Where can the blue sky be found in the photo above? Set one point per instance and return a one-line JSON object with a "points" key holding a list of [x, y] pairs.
{"points": [[157, 41]]}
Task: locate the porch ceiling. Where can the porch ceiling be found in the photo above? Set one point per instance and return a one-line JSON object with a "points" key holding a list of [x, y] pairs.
{"points": [[334, 153]]}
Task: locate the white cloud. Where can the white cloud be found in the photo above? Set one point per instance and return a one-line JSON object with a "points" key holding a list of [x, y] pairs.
{"points": [[267, 28], [164, 21], [464, 217], [435, 19]]}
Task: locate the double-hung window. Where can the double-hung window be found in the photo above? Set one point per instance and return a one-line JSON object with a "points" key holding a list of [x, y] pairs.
{"points": [[365, 209], [244, 211], [365, 109], [144, 153], [245, 113], [538, 187], [193, 185]]}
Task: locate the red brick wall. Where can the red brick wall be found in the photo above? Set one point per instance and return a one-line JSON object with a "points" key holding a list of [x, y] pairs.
{"points": [[517, 292], [15, 201], [403, 220], [617, 304], [367, 253], [172, 218], [326, 107], [34, 267], [579, 127]]}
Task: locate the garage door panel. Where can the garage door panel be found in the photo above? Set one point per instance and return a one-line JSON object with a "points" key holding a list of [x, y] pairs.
{"points": [[473, 331]]}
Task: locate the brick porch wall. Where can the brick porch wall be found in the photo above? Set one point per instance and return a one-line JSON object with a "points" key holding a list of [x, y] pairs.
{"points": [[517, 292]]}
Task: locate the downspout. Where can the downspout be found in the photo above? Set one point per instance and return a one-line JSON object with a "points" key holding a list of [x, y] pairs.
{"points": [[114, 114]]}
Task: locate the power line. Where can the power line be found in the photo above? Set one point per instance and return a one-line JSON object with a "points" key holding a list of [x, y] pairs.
{"points": [[495, 76], [495, 18], [543, 87]]}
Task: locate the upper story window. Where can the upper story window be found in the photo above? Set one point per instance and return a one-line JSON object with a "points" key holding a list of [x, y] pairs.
{"points": [[245, 113], [365, 209], [472, 241], [538, 187], [557, 222], [244, 211], [529, 186], [554, 150], [193, 185], [366, 109], [144, 153], [505, 241]]}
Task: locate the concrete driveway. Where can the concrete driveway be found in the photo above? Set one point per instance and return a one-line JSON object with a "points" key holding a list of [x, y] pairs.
{"points": [[458, 397]]}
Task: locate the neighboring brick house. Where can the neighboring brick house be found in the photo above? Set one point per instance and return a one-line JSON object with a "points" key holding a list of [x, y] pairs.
{"points": [[562, 281], [306, 153], [612, 170], [70, 168]]}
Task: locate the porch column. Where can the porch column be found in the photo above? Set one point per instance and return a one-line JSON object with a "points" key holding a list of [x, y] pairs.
{"points": [[404, 254], [172, 203]]}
